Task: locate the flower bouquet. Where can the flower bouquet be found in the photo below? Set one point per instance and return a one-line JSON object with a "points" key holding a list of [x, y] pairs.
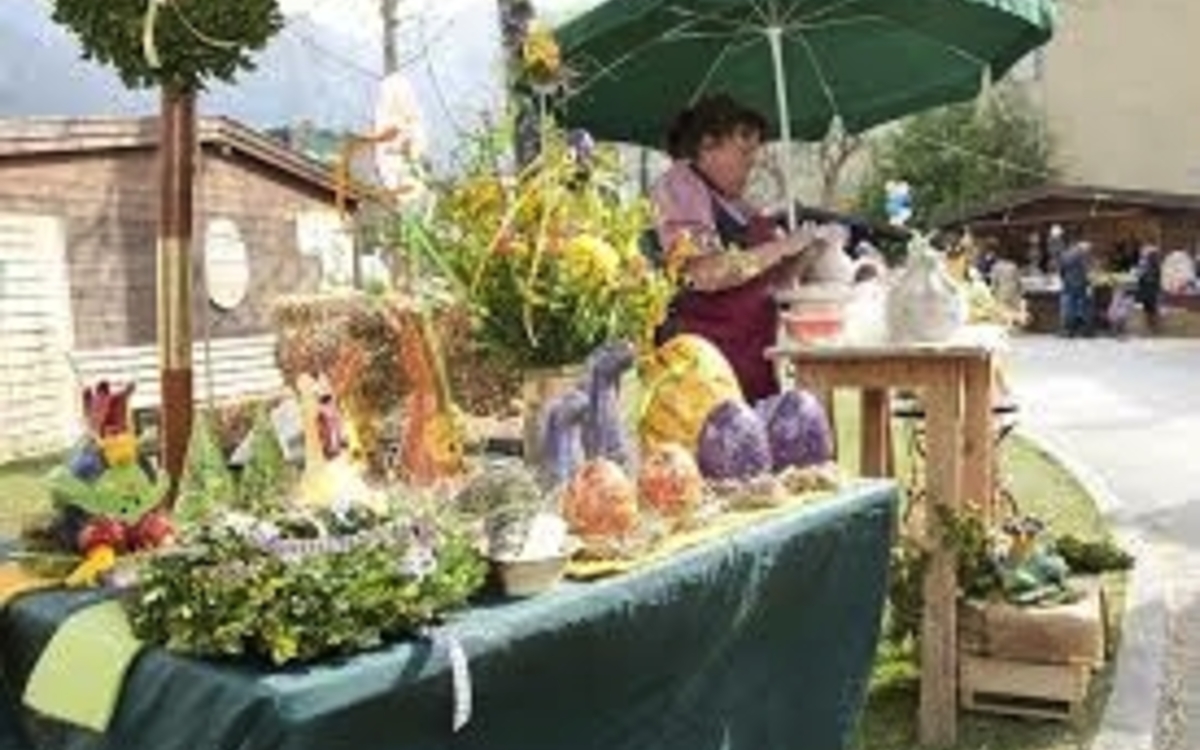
{"points": [[549, 262]]}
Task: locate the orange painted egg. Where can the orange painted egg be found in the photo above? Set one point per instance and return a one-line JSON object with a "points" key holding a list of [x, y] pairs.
{"points": [[669, 481], [600, 501]]}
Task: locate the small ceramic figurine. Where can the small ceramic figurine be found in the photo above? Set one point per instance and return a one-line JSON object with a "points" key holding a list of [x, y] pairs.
{"points": [[604, 430], [1030, 570], [107, 497]]}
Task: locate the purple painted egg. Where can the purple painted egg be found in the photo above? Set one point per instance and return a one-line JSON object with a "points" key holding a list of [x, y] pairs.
{"points": [[798, 429], [733, 443]]}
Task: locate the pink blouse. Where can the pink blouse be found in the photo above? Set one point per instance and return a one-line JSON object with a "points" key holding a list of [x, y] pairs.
{"points": [[685, 204]]}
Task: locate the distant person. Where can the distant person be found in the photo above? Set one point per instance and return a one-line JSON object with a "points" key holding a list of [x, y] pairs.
{"points": [[1120, 310], [1056, 248], [1075, 303], [1005, 281], [1149, 285]]}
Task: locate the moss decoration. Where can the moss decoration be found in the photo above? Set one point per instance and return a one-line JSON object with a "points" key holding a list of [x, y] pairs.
{"points": [[206, 480], [232, 596], [194, 41]]}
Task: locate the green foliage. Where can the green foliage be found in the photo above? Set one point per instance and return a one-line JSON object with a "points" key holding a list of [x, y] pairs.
{"points": [[123, 491], [206, 479], [966, 535], [1090, 557], [195, 41], [231, 595], [266, 477], [959, 157]]}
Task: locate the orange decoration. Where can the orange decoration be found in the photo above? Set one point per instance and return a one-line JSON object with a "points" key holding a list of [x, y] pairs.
{"points": [[600, 501], [432, 446], [669, 481]]}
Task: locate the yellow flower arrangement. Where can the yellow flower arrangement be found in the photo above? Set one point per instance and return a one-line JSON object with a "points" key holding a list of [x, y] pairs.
{"points": [[549, 261]]}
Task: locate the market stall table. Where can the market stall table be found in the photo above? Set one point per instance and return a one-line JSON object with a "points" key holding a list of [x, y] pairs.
{"points": [[762, 638], [956, 381]]}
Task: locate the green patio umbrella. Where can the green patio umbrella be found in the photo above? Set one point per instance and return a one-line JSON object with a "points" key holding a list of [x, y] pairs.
{"points": [[802, 63]]}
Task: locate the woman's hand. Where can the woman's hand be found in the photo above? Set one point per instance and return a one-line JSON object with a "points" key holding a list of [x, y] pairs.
{"points": [[801, 239], [810, 234]]}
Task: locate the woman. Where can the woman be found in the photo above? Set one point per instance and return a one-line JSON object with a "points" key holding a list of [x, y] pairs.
{"points": [[1149, 285], [729, 256]]}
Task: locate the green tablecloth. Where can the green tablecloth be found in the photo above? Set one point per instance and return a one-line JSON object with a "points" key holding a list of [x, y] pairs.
{"points": [[763, 639]]}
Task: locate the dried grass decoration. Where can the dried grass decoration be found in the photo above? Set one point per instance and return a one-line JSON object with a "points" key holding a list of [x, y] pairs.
{"points": [[171, 43], [382, 357], [349, 338]]}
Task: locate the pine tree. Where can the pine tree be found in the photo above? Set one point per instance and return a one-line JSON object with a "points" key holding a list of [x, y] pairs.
{"points": [[206, 481], [265, 477]]}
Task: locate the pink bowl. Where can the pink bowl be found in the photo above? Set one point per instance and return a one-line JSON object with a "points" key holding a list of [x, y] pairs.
{"points": [[813, 325]]}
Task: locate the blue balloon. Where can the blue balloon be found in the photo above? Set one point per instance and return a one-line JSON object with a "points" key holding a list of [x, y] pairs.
{"points": [[898, 202]]}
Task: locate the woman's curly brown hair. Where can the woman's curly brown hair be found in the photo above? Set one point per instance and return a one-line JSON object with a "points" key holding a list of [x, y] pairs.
{"points": [[714, 116]]}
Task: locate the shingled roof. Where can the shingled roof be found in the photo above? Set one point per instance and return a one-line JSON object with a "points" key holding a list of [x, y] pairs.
{"points": [[1097, 199], [44, 136]]}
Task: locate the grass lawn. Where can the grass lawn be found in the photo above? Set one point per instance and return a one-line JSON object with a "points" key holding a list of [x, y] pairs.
{"points": [[22, 493], [1041, 488]]}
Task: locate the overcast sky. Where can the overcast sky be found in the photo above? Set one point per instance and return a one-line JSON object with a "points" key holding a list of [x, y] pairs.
{"points": [[355, 16], [324, 67]]}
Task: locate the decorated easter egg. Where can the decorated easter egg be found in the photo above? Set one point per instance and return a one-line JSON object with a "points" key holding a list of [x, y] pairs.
{"points": [[798, 429], [682, 381], [669, 481], [600, 501], [733, 443]]}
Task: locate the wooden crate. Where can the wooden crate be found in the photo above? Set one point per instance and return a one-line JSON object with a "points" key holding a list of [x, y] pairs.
{"points": [[1072, 633], [1001, 686]]}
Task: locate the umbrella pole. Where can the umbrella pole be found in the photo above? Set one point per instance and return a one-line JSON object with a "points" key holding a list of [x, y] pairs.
{"points": [[775, 41]]}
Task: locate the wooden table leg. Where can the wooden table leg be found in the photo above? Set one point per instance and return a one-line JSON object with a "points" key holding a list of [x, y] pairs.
{"points": [[938, 711], [876, 434], [979, 481]]}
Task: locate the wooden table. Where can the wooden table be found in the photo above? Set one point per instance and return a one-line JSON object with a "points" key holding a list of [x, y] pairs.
{"points": [[955, 379]]}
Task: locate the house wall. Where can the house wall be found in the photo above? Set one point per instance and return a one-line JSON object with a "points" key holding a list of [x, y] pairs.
{"points": [[266, 211], [109, 202], [105, 203], [37, 395], [1119, 96]]}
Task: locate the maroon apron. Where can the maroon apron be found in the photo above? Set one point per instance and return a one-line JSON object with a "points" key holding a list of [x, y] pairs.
{"points": [[741, 321]]}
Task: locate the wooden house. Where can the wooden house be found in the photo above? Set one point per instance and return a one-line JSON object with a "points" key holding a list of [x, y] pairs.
{"points": [[1116, 221], [78, 225]]}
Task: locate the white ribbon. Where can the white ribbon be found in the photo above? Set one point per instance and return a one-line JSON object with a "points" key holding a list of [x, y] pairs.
{"points": [[149, 22], [460, 675]]}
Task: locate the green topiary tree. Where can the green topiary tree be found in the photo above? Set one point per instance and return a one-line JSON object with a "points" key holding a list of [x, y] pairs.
{"points": [[177, 46], [266, 477], [206, 481], [171, 43]]}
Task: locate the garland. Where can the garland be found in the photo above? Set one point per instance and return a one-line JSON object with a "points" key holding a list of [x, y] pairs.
{"points": [[171, 43]]}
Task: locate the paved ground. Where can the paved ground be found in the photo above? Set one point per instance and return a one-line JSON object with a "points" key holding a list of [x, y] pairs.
{"points": [[1126, 416]]}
